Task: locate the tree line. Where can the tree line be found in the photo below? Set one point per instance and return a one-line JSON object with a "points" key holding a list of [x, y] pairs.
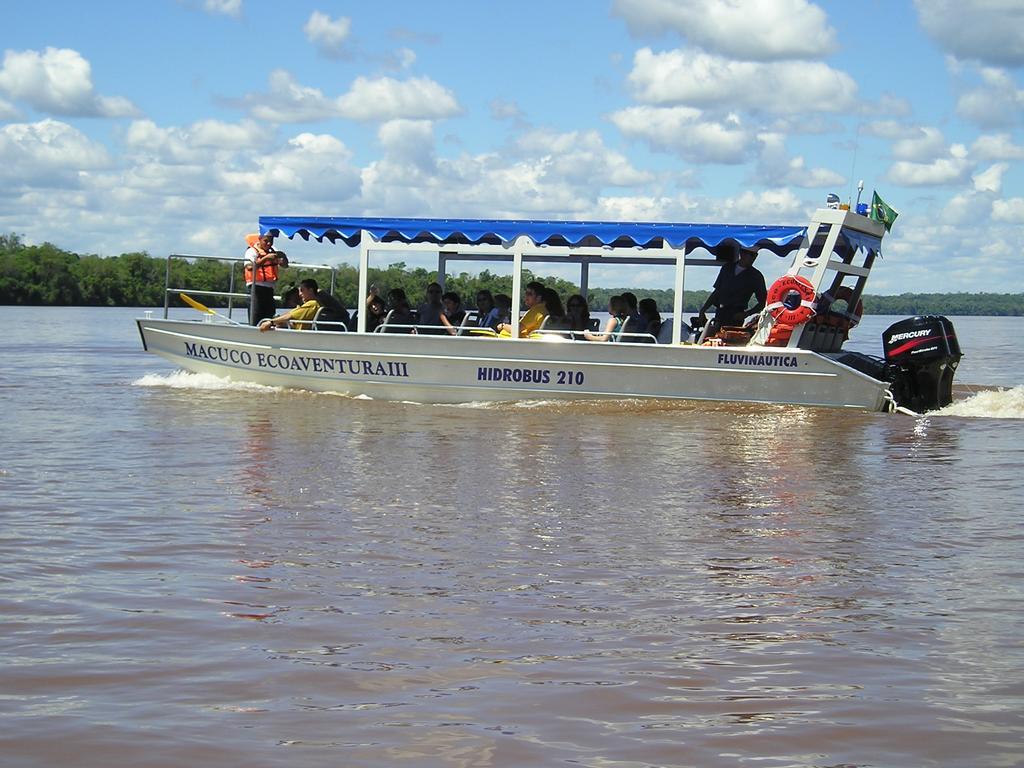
{"points": [[50, 276]]}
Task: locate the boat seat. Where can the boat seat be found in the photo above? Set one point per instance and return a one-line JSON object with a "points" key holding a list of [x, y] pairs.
{"points": [[326, 325], [384, 323], [665, 332], [469, 320]]}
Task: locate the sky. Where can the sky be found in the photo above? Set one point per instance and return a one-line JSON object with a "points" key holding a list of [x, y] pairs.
{"points": [[170, 126]]}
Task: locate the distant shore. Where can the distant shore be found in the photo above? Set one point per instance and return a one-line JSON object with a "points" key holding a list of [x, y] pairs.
{"points": [[45, 275]]}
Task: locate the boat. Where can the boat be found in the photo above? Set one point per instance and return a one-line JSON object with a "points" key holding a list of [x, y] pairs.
{"points": [[794, 356]]}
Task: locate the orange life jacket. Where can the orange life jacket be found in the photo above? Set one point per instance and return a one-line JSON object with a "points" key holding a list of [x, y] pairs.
{"points": [[265, 273]]}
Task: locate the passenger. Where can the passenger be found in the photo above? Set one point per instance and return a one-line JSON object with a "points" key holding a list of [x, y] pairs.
{"points": [[375, 314], [556, 319], [261, 255], [290, 298], [487, 313], [402, 319], [453, 314], [431, 310], [578, 313], [737, 281], [333, 312], [536, 311], [634, 322], [306, 311], [503, 305], [616, 317], [650, 321]]}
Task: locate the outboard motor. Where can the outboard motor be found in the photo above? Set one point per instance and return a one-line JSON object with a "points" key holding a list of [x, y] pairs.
{"points": [[921, 356]]}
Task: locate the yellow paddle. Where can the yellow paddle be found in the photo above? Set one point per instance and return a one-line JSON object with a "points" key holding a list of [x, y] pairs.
{"points": [[203, 308]]}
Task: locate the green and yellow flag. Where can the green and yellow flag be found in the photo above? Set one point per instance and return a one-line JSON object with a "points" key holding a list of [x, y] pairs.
{"points": [[882, 212]]}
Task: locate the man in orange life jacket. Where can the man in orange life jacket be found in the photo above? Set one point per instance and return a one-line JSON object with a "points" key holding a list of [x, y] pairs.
{"points": [[261, 253]]}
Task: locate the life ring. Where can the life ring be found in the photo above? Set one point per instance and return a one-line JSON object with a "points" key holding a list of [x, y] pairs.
{"points": [[851, 317], [781, 303]]}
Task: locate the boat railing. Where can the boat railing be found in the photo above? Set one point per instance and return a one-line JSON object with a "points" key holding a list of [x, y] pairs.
{"points": [[231, 294]]}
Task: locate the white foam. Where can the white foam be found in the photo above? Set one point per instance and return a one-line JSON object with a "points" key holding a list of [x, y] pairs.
{"points": [[990, 404], [188, 380]]}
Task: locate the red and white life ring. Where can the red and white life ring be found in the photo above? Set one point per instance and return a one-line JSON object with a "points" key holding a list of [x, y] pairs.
{"points": [[781, 304]]}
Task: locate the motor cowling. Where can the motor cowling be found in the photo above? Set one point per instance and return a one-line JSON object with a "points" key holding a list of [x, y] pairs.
{"points": [[921, 355]]}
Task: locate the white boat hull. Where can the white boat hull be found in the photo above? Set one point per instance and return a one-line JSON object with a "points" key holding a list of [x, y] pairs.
{"points": [[439, 369]]}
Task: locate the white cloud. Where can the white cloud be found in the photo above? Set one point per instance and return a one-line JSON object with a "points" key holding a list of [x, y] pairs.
{"points": [[991, 31], [763, 31], [542, 172], [777, 168], [385, 98], [379, 99], [996, 103], [289, 102], [217, 134], [58, 81], [921, 145], [991, 179], [695, 78], [330, 36], [176, 146], [46, 154], [997, 146], [8, 111], [889, 129], [231, 8], [1010, 211], [686, 132], [951, 169]]}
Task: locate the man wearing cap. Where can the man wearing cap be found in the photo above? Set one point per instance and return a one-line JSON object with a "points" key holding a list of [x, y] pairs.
{"points": [[736, 283]]}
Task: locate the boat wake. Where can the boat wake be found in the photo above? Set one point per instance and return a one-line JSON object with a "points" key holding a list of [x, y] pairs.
{"points": [[206, 381], [988, 404]]}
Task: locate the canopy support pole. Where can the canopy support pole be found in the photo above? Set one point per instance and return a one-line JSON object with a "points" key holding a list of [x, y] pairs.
{"points": [[677, 301], [364, 278]]}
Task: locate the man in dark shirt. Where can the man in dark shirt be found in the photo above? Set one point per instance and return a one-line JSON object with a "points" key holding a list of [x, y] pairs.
{"points": [[736, 283]]}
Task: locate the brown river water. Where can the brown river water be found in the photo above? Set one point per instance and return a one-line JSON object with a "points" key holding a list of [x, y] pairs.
{"points": [[199, 573]]}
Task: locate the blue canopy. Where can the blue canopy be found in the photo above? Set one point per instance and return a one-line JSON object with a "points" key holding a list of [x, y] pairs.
{"points": [[778, 239]]}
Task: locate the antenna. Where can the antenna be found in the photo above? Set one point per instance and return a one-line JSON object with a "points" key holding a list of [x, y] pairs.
{"points": [[853, 165], [860, 189]]}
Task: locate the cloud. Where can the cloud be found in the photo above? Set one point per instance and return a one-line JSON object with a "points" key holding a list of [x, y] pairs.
{"points": [[385, 98], [177, 146], [765, 31], [991, 179], [579, 157], [686, 132], [951, 169], [8, 111], [777, 168], [1010, 211], [231, 8], [503, 109], [541, 172], [921, 145], [58, 81], [990, 31], [699, 79], [47, 154], [996, 103], [997, 146], [330, 36], [381, 99]]}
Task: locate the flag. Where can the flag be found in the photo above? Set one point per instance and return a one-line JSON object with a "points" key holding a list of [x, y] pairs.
{"points": [[882, 212]]}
